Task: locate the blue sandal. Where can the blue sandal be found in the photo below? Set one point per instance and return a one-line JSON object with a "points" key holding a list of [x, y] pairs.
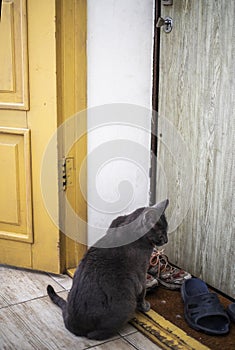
{"points": [[203, 310], [231, 312]]}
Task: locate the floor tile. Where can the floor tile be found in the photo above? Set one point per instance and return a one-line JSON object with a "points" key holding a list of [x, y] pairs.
{"points": [[3, 301], [21, 285], [64, 280], [140, 342], [119, 344], [128, 329], [29, 320], [38, 324]]}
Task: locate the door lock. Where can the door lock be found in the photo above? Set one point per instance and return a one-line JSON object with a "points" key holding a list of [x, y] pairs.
{"points": [[166, 23]]}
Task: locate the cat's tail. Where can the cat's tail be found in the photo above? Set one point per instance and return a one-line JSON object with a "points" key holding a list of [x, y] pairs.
{"points": [[56, 298]]}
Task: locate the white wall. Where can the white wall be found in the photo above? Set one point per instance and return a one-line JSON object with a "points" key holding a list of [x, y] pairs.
{"points": [[120, 51]]}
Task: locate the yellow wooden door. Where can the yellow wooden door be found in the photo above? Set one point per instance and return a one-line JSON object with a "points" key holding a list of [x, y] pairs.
{"points": [[42, 84], [28, 117]]}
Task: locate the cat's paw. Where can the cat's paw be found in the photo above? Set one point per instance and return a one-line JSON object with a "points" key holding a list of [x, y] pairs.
{"points": [[144, 306]]}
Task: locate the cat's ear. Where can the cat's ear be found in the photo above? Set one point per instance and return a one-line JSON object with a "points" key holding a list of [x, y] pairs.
{"points": [[162, 205], [151, 215]]}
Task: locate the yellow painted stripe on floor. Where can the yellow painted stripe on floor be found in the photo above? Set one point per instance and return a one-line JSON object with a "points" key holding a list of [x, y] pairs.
{"points": [[164, 333], [154, 333], [176, 330]]}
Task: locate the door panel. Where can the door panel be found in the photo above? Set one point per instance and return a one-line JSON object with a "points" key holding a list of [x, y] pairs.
{"points": [[7, 70], [15, 185], [196, 96], [13, 56]]}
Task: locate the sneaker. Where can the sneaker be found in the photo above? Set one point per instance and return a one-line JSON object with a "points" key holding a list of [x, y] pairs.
{"points": [[167, 275], [151, 282]]}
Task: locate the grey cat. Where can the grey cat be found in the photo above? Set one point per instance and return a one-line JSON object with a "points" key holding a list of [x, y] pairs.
{"points": [[109, 283]]}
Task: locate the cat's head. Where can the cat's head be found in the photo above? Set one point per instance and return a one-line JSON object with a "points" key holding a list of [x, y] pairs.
{"points": [[155, 223], [144, 223]]}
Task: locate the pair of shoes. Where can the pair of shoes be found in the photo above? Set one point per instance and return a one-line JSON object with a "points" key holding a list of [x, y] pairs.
{"points": [[202, 309], [167, 275], [151, 283]]}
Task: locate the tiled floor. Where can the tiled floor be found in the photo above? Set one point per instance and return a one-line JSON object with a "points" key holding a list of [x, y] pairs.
{"points": [[29, 320]]}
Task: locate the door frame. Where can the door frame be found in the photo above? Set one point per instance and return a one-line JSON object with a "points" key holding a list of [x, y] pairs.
{"points": [[71, 23], [155, 103]]}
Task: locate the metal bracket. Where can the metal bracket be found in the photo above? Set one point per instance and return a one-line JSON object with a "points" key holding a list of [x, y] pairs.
{"points": [[166, 23]]}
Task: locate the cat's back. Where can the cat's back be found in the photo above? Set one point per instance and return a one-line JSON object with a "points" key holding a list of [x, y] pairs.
{"points": [[103, 261], [109, 268]]}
